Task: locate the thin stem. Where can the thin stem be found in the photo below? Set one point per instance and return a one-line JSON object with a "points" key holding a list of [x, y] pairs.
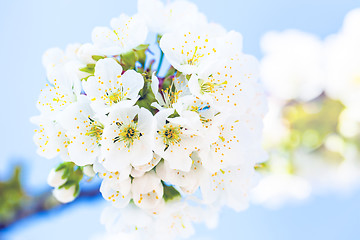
{"points": [[160, 62]]}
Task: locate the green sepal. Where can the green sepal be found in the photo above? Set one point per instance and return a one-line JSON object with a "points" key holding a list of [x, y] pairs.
{"points": [[86, 78], [158, 38], [170, 193], [147, 97], [77, 175], [77, 190], [67, 167], [174, 115], [90, 68], [97, 57]]}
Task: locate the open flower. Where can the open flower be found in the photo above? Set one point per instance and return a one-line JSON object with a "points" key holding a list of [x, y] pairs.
{"points": [[190, 48], [166, 98], [238, 141], [227, 83], [126, 34], [63, 89], [50, 138], [175, 141], [110, 85], [84, 131], [229, 186], [127, 137]]}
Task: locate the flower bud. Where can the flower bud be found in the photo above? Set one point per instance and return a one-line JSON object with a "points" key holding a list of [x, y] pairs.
{"points": [[65, 195], [55, 178], [89, 171]]}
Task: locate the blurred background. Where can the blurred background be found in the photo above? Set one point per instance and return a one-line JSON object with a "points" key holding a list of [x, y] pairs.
{"points": [[28, 28]]}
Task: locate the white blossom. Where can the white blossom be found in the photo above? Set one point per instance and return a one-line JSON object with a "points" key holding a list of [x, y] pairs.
{"points": [[147, 191], [162, 18], [109, 86], [189, 181], [84, 131], [175, 141], [125, 34], [127, 137], [191, 48], [170, 149], [64, 89], [50, 138], [230, 187], [237, 142], [227, 83]]}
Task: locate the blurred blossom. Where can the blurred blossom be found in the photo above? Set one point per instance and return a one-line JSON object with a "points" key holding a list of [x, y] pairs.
{"points": [[292, 66], [343, 62], [312, 131]]}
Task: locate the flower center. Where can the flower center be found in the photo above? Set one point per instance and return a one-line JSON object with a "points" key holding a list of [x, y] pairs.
{"points": [[195, 57], [211, 87], [170, 134], [117, 96], [170, 95], [96, 129], [127, 134]]}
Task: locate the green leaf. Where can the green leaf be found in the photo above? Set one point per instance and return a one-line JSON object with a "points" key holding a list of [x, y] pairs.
{"points": [[128, 60], [142, 47], [140, 53]]}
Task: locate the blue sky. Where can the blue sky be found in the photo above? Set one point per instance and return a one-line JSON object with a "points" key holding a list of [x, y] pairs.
{"points": [[28, 28]]}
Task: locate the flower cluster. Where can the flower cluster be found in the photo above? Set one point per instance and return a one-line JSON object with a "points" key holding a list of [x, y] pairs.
{"points": [[154, 138], [312, 131]]}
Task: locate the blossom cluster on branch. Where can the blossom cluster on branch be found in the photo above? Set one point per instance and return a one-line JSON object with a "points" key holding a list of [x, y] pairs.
{"points": [[157, 140]]}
